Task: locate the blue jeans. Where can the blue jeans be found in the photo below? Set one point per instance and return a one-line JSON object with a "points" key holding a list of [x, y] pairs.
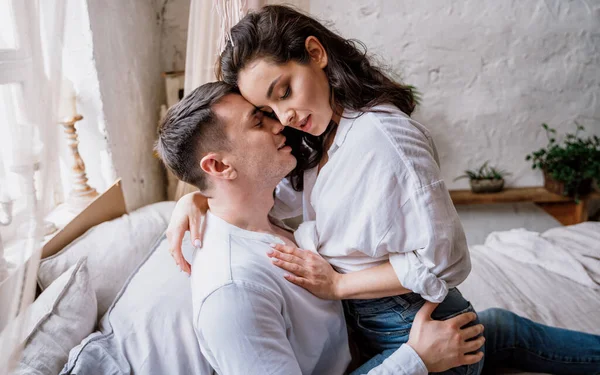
{"points": [[380, 326], [518, 343]]}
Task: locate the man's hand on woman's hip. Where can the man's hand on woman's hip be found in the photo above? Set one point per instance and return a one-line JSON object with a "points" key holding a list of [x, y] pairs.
{"points": [[443, 345]]}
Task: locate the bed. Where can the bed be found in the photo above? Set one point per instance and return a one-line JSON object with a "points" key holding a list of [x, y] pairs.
{"points": [[138, 310], [526, 262]]}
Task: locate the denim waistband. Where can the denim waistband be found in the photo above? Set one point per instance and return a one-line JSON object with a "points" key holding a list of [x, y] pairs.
{"points": [[403, 301]]}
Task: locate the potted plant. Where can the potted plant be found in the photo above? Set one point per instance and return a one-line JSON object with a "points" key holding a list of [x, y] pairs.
{"points": [[486, 179], [570, 166]]}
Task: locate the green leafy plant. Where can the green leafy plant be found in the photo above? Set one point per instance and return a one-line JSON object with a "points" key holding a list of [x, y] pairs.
{"points": [[485, 172], [575, 160]]}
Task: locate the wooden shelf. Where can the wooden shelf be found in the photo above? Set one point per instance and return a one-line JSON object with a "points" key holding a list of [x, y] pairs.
{"points": [[510, 195], [564, 209]]}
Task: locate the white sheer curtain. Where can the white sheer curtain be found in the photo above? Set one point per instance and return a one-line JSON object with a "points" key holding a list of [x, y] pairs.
{"points": [[31, 40], [209, 22]]}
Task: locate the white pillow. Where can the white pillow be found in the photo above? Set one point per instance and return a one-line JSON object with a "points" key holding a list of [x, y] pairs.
{"points": [[59, 319], [114, 249], [148, 329]]}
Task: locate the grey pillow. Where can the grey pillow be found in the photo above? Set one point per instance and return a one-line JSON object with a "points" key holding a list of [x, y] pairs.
{"points": [[149, 328], [114, 249], [59, 319]]}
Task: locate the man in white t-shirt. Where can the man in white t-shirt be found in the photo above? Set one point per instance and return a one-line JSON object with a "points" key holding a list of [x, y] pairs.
{"points": [[248, 318]]}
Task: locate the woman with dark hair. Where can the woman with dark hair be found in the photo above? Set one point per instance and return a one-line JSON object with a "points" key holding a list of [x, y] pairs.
{"points": [[368, 186], [354, 132]]}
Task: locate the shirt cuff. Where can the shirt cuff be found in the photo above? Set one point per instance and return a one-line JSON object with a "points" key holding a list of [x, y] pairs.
{"points": [[404, 361], [414, 275]]}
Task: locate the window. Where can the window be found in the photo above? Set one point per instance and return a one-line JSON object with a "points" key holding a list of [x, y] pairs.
{"points": [[19, 140], [8, 38]]}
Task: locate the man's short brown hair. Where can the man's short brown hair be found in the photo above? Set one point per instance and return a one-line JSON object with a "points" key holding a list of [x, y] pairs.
{"points": [[190, 130]]}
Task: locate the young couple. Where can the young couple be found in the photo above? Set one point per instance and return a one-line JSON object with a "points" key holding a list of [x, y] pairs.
{"points": [[345, 155]]}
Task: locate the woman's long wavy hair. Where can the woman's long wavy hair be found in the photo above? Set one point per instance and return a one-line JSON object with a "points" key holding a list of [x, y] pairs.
{"points": [[278, 33]]}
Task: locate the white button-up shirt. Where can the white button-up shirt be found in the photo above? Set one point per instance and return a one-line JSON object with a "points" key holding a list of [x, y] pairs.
{"points": [[380, 197], [250, 320]]}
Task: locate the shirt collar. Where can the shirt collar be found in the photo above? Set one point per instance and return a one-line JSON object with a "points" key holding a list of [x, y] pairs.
{"points": [[214, 222], [346, 122]]}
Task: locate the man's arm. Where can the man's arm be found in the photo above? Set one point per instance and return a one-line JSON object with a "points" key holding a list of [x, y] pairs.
{"points": [[241, 331]]}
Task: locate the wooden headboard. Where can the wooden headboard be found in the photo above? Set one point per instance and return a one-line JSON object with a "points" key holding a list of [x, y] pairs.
{"points": [[107, 206]]}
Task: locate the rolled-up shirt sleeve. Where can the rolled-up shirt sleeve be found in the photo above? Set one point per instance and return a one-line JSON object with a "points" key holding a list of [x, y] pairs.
{"points": [[241, 331], [440, 259], [425, 239]]}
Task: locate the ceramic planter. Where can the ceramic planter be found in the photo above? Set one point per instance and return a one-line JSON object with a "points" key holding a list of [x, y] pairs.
{"points": [[558, 187], [487, 185]]}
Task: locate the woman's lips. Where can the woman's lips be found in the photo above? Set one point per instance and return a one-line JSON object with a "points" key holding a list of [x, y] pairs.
{"points": [[308, 124]]}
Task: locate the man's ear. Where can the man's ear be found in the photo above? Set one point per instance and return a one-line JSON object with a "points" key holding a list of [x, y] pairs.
{"points": [[215, 165], [316, 51]]}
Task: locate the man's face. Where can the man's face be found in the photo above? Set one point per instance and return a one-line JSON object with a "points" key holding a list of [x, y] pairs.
{"points": [[258, 151]]}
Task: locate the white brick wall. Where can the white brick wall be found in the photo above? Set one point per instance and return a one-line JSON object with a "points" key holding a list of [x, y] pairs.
{"points": [[490, 71]]}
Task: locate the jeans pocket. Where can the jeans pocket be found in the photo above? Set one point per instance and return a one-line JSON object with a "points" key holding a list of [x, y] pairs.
{"points": [[453, 305], [467, 309]]}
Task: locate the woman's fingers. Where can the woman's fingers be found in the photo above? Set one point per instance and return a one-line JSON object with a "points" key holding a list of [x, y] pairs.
{"points": [[300, 281], [202, 229], [287, 257], [195, 236], [175, 238], [290, 267], [184, 264], [292, 250]]}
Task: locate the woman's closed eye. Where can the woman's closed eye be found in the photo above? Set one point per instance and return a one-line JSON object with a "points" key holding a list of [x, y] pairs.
{"points": [[286, 94]]}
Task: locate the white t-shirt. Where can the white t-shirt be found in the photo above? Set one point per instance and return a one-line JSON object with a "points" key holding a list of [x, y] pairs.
{"points": [[250, 320], [380, 197]]}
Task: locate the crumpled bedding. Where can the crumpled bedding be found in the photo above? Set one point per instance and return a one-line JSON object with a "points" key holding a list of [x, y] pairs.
{"points": [[551, 277]]}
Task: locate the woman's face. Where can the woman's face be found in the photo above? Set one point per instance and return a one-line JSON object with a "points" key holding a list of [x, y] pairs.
{"points": [[297, 93]]}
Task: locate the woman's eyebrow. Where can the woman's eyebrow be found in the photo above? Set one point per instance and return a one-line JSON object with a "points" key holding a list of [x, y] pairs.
{"points": [[271, 86]]}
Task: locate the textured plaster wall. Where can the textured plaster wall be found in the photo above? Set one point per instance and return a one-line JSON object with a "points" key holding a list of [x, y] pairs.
{"points": [[126, 38], [490, 72], [174, 25]]}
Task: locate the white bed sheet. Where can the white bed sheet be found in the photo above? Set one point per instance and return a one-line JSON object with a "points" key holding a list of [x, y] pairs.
{"points": [[499, 280]]}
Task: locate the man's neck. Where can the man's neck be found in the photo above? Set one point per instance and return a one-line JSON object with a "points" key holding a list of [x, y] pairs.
{"points": [[244, 208]]}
